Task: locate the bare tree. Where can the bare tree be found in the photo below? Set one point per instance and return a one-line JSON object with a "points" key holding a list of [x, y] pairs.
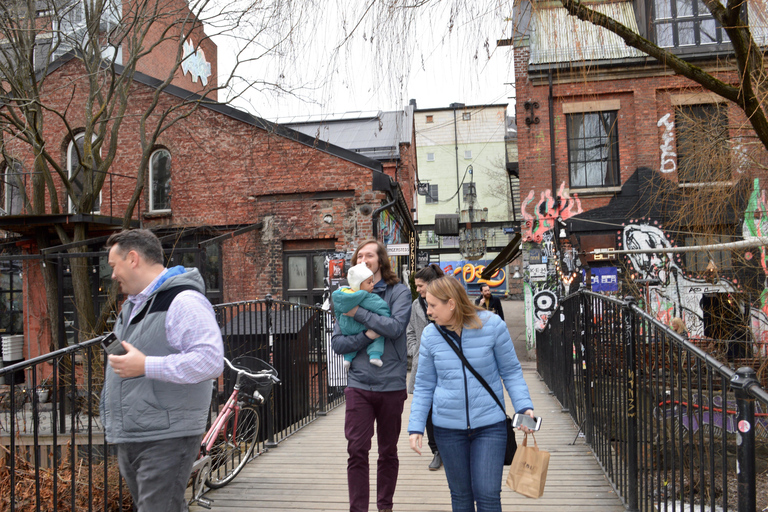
{"points": [[111, 41]]}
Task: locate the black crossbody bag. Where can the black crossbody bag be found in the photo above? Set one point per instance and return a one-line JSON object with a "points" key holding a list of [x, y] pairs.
{"points": [[509, 454]]}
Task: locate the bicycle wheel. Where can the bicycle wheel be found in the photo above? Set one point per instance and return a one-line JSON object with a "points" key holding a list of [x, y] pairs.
{"points": [[232, 450]]}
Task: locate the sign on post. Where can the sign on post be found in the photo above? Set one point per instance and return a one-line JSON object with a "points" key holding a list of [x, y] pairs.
{"points": [[399, 249]]}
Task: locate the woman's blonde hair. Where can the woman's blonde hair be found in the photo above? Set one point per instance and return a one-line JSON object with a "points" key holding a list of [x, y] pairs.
{"points": [[465, 314]]}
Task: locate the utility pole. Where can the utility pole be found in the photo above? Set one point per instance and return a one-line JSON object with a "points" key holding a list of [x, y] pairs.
{"points": [[454, 106]]}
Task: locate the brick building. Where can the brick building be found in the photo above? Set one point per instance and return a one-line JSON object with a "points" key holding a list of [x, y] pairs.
{"points": [[260, 208], [614, 148]]}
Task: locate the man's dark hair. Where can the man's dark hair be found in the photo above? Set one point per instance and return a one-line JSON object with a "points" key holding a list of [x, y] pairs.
{"points": [[143, 241], [429, 273], [484, 285]]}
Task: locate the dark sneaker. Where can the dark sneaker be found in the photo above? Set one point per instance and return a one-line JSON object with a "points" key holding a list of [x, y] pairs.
{"points": [[436, 462]]}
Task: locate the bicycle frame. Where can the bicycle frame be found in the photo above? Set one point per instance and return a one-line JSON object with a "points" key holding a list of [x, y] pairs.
{"points": [[202, 466]]}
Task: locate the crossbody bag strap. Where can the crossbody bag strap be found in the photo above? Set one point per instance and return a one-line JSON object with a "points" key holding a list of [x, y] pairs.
{"points": [[469, 367]]}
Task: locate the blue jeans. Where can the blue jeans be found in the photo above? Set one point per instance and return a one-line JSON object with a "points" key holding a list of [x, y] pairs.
{"points": [[474, 462]]}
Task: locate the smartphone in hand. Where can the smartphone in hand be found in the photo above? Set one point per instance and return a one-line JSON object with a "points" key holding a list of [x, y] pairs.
{"points": [[112, 345], [526, 421]]}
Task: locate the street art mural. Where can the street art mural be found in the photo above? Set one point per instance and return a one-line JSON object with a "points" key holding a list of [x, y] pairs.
{"points": [[543, 270], [546, 213], [679, 294], [390, 229], [468, 272], [756, 224]]}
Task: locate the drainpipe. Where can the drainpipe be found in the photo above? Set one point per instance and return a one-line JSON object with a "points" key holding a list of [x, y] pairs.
{"points": [[553, 166]]}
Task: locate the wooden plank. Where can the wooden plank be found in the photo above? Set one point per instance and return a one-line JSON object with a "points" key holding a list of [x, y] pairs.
{"points": [[307, 472]]}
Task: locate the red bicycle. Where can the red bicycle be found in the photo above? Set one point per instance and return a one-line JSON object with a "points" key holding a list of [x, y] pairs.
{"points": [[228, 445]]}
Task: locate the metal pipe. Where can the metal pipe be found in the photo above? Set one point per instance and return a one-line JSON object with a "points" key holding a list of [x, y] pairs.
{"points": [[757, 241]]}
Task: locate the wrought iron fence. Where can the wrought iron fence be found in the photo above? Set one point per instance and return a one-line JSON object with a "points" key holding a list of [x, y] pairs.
{"points": [[673, 427], [53, 455]]}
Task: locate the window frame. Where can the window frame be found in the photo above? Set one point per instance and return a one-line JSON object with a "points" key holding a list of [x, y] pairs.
{"points": [[432, 196], [13, 168], [430, 157], [429, 119], [313, 294], [467, 154], [466, 116], [152, 181], [611, 176], [709, 111], [695, 19], [70, 146]]}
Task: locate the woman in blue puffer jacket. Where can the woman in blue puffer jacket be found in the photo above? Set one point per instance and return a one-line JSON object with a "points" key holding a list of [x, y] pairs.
{"points": [[470, 427]]}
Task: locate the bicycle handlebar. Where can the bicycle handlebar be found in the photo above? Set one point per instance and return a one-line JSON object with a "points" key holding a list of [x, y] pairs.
{"points": [[260, 375]]}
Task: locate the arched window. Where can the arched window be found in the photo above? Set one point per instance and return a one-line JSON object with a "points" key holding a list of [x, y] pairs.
{"points": [[76, 173], [160, 181], [10, 188]]}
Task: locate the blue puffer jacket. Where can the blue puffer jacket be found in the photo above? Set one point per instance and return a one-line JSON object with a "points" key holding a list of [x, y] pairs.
{"points": [[457, 398]]}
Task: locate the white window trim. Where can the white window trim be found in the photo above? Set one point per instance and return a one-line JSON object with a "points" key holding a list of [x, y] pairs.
{"points": [[151, 187], [430, 157], [467, 154], [70, 206]]}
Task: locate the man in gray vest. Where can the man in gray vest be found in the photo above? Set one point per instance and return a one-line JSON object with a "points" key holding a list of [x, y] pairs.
{"points": [[155, 399]]}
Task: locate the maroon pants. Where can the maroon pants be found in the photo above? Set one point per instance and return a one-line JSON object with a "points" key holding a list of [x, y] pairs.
{"points": [[363, 408]]}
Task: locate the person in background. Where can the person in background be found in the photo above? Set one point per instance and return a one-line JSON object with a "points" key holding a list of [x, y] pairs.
{"points": [[155, 399], [375, 395], [419, 320], [487, 301], [470, 427]]}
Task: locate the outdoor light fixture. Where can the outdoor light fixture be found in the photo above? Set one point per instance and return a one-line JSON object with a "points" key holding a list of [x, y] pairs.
{"points": [[516, 275]]}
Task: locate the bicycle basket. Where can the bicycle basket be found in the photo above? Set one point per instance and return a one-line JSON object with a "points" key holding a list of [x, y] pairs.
{"points": [[249, 385]]}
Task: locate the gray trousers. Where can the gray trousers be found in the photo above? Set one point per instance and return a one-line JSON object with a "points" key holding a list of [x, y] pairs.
{"points": [[157, 472]]}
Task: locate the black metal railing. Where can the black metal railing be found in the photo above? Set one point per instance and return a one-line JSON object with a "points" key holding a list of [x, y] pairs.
{"points": [[52, 449], [669, 423]]}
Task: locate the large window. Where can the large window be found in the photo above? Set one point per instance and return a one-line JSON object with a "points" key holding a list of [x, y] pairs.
{"points": [[697, 262], [78, 174], [680, 23], [593, 149], [160, 179], [10, 188], [11, 319], [304, 273], [703, 154]]}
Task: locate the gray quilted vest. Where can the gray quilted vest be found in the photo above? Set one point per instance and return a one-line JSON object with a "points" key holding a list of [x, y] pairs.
{"points": [[142, 409]]}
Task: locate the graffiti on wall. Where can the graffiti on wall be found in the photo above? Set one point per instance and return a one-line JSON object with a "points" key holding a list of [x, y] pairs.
{"points": [[668, 156], [390, 228], [468, 272], [546, 212], [683, 295], [541, 272], [756, 225]]}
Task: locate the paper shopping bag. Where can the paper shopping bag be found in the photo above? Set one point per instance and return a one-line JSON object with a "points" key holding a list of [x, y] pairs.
{"points": [[528, 472]]}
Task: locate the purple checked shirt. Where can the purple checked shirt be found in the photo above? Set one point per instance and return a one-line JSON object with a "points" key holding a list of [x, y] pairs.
{"points": [[191, 328]]}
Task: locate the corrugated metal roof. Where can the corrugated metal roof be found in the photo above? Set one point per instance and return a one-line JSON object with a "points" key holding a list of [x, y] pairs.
{"points": [[558, 37], [377, 137]]}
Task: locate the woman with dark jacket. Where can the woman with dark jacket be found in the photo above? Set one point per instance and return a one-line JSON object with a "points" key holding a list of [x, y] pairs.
{"points": [[469, 426], [419, 320]]}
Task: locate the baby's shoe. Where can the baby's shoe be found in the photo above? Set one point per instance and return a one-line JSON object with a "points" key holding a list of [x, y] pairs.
{"points": [[376, 362], [347, 364]]}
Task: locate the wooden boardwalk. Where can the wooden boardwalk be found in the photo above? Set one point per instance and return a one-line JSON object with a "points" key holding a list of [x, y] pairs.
{"points": [[307, 472]]}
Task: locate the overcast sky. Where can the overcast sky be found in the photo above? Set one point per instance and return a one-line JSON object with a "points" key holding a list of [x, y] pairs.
{"points": [[445, 67]]}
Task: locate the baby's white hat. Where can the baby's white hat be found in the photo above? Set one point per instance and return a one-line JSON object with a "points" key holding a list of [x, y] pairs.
{"points": [[357, 275]]}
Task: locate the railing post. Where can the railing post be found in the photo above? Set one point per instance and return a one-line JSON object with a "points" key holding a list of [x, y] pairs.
{"points": [[745, 438], [270, 443], [587, 370], [322, 364], [628, 319]]}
